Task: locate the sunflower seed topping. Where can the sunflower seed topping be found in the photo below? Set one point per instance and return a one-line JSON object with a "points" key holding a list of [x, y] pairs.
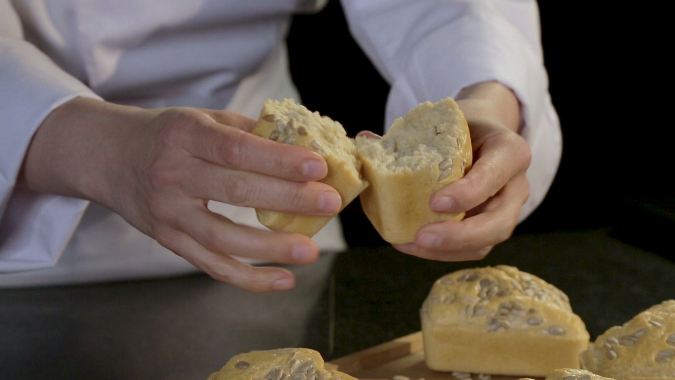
{"points": [[671, 339], [665, 356], [468, 277], [242, 365], [461, 375], [274, 374], [612, 340], [535, 320], [556, 330]]}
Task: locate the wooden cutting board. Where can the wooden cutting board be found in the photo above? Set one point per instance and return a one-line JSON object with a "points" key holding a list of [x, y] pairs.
{"points": [[403, 357]]}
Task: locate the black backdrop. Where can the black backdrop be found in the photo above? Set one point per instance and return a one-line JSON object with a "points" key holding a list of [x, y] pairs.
{"points": [[610, 80]]}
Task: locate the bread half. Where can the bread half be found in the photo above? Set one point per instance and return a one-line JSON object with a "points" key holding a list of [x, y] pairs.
{"points": [[425, 150], [290, 123]]}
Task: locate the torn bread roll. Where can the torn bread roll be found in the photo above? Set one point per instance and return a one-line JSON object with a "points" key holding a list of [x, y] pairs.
{"points": [[280, 364], [641, 349], [423, 151], [290, 123], [499, 320]]}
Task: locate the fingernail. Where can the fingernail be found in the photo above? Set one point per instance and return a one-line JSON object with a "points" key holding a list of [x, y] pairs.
{"points": [[442, 203], [429, 240], [282, 283], [329, 202], [313, 169], [301, 252], [369, 135]]}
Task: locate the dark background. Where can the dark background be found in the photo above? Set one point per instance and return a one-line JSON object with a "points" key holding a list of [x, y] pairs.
{"points": [[610, 81]]}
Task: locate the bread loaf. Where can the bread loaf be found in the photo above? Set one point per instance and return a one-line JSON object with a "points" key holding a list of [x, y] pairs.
{"points": [[291, 123], [642, 348], [423, 151], [281, 364], [499, 320]]}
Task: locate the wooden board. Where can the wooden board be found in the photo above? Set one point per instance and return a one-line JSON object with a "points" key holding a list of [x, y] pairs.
{"points": [[403, 356]]}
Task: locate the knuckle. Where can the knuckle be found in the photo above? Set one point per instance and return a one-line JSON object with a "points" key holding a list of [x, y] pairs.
{"points": [[165, 236], [176, 125], [298, 198], [505, 233], [162, 214], [474, 187], [223, 270], [458, 240], [239, 192], [162, 175], [214, 240], [222, 273], [232, 148], [523, 154]]}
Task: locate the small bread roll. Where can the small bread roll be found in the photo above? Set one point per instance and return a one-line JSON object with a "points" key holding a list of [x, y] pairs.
{"points": [[423, 151], [642, 348], [499, 320], [290, 123], [284, 363]]}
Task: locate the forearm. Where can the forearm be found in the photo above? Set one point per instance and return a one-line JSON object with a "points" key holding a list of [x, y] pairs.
{"points": [[75, 150]]}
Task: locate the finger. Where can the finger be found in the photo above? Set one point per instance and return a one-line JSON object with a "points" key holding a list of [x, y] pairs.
{"points": [[220, 235], [369, 135], [473, 234], [212, 182], [231, 118], [500, 158], [236, 149], [227, 269]]}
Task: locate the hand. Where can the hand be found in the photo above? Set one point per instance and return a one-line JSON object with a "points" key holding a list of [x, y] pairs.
{"points": [[493, 191], [159, 168]]}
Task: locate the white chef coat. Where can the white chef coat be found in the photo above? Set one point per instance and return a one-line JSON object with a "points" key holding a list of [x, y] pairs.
{"points": [[225, 54]]}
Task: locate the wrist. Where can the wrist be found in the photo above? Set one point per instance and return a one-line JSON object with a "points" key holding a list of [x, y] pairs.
{"points": [[490, 103], [78, 149]]}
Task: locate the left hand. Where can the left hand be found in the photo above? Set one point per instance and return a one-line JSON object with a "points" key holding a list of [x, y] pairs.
{"points": [[493, 191]]}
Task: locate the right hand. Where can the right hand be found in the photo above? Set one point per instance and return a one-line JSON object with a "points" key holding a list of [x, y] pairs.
{"points": [[158, 169]]}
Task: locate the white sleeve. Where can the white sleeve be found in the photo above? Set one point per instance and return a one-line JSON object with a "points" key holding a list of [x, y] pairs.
{"points": [[431, 49], [34, 228]]}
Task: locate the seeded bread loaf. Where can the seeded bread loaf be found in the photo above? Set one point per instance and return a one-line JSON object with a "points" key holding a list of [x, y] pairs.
{"points": [[499, 320], [290, 123], [423, 151], [280, 364], [642, 348]]}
